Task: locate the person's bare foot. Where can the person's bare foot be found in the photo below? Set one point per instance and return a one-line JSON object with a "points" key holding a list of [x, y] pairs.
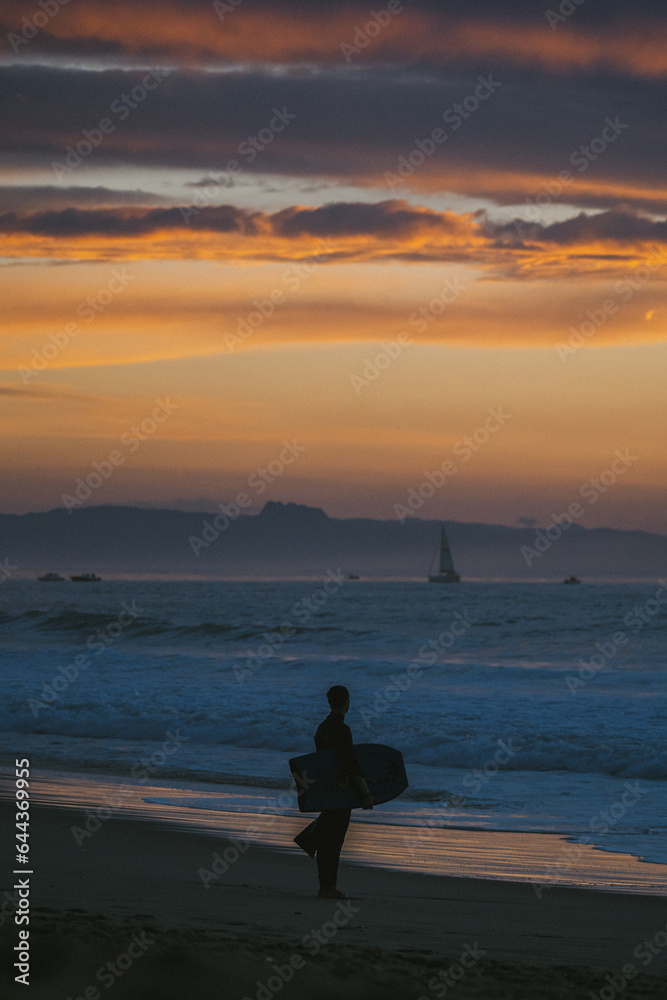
{"points": [[331, 892]]}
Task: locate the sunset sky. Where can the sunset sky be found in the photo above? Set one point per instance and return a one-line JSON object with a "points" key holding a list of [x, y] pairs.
{"points": [[240, 207]]}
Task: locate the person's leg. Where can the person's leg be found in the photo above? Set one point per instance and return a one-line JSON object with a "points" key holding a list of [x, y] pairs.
{"points": [[307, 839], [325, 824], [331, 829]]}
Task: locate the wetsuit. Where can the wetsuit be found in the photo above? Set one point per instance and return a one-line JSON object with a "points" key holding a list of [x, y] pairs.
{"points": [[331, 825]]}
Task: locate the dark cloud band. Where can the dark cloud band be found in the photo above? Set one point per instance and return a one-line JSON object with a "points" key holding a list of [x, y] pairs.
{"points": [[395, 221], [331, 126]]}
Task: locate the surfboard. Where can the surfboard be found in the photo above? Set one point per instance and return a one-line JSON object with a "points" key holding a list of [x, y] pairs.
{"points": [[321, 785]]}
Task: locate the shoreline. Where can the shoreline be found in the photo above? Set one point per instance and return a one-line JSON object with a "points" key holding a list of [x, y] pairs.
{"points": [[556, 578], [540, 860], [256, 910]]}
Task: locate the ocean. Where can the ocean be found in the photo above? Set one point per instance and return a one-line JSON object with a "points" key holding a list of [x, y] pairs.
{"points": [[536, 708]]}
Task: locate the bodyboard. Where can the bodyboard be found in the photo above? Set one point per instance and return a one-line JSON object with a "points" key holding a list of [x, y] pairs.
{"points": [[321, 785]]}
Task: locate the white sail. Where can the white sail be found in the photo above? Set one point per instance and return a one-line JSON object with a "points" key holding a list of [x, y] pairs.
{"points": [[444, 564], [446, 561]]}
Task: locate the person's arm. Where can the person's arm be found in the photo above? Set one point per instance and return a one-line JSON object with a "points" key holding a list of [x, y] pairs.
{"points": [[360, 782], [351, 766], [367, 800]]}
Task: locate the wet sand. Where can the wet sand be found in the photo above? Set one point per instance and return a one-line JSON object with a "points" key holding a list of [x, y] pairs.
{"points": [[153, 895]]}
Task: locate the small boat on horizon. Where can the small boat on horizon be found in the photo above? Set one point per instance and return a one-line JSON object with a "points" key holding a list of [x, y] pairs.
{"points": [[51, 578], [86, 578], [351, 576], [443, 558], [572, 579]]}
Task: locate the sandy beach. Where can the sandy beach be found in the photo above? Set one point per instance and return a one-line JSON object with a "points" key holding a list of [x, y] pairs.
{"points": [[333, 482], [152, 910]]}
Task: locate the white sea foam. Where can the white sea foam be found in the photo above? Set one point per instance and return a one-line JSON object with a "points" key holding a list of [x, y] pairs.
{"points": [[210, 661]]}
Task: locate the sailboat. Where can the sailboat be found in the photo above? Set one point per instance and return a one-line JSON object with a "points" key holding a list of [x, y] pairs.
{"points": [[443, 558]]}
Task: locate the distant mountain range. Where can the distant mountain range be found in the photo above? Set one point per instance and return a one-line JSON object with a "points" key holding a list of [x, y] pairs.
{"points": [[294, 540]]}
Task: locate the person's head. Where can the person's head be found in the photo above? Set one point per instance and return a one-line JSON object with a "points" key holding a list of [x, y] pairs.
{"points": [[339, 698]]}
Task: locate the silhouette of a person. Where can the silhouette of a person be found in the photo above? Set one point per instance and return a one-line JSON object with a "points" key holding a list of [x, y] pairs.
{"points": [[325, 836]]}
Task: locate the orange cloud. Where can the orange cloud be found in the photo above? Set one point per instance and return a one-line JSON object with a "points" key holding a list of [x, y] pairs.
{"points": [[186, 309], [511, 187], [288, 34], [609, 243]]}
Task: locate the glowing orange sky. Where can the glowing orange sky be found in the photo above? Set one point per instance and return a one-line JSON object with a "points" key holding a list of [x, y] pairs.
{"points": [[378, 327]]}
